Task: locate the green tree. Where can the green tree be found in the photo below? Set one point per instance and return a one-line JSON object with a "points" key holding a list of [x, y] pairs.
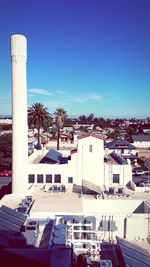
{"points": [[132, 129], [5, 152], [83, 119], [60, 115], [39, 118], [115, 134], [90, 118], [102, 122], [108, 123], [140, 128]]}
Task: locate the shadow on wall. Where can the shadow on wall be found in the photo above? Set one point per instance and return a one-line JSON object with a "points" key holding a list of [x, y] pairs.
{"points": [[85, 190], [76, 188]]}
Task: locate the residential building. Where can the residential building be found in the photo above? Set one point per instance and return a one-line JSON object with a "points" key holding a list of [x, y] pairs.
{"points": [[141, 141]]}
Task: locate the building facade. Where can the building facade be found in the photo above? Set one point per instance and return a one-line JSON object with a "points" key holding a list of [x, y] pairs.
{"points": [[86, 163]]}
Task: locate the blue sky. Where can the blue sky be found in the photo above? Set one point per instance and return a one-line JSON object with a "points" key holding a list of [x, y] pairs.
{"points": [[87, 56]]}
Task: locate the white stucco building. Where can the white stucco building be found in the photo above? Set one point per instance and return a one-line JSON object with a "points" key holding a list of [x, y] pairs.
{"points": [[141, 141], [85, 164]]}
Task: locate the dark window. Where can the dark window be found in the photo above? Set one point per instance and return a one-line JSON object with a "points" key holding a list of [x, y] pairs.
{"points": [[90, 148], [116, 178], [31, 228], [31, 178], [70, 180], [48, 178], [40, 178], [57, 178]]}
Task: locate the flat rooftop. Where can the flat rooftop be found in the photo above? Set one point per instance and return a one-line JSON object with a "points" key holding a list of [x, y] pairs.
{"points": [[56, 202], [72, 203]]}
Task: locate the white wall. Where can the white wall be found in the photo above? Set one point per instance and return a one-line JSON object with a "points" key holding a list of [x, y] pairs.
{"points": [[107, 206], [137, 226], [84, 165], [91, 164], [124, 171], [141, 144], [118, 211]]}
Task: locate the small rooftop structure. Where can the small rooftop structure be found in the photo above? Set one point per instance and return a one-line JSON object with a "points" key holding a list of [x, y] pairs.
{"points": [[54, 156], [141, 138], [119, 144]]}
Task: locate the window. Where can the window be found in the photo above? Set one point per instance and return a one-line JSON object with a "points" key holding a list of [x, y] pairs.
{"points": [[31, 178], [90, 148], [39, 178], [57, 178], [116, 178], [48, 178], [70, 180]]}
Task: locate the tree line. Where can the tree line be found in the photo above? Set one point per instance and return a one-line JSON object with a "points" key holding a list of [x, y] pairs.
{"points": [[40, 118], [5, 152]]}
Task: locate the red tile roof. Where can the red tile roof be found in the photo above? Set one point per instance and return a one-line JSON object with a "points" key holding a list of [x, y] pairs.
{"points": [[89, 134]]}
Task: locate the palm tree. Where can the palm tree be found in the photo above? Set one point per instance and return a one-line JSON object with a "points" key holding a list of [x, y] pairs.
{"points": [[60, 115], [38, 117]]}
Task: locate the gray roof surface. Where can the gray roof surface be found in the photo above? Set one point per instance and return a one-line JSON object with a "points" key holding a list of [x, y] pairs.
{"points": [[120, 144], [120, 160], [53, 155], [134, 255], [141, 137]]}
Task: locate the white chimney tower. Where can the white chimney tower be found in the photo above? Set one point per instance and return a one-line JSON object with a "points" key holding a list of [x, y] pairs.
{"points": [[19, 114]]}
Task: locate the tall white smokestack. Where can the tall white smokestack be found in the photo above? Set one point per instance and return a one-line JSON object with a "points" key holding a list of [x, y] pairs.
{"points": [[19, 114]]}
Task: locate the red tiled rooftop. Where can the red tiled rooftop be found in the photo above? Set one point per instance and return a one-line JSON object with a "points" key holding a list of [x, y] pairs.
{"points": [[88, 135]]}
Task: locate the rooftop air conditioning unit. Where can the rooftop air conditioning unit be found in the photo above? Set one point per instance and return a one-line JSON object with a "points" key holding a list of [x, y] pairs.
{"points": [[22, 209], [106, 263], [29, 198], [32, 226]]}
